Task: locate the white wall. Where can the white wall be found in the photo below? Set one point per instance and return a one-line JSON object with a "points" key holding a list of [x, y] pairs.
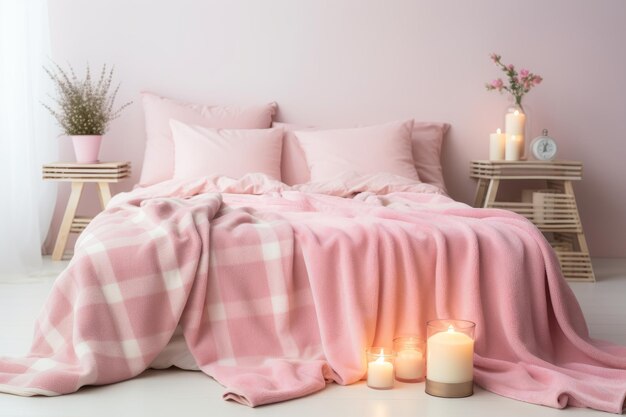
{"points": [[343, 62]]}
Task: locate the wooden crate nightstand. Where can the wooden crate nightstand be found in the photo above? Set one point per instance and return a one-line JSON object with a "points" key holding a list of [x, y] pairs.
{"points": [[553, 209], [78, 174]]}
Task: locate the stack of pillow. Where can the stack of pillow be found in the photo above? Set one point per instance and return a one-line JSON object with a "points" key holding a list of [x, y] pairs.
{"points": [[189, 140]]}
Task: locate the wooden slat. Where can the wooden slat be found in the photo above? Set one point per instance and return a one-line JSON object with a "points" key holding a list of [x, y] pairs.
{"points": [[87, 176], [79, 224], [66, 171], [557, 170], [119, 174], [98, 165], [549, 211], [85, 171], [576, 266], [110, 180], [105, 172], [82, 220]]}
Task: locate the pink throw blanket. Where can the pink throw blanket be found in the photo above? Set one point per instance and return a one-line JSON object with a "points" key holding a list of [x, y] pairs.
{"points": [[281, 292]]}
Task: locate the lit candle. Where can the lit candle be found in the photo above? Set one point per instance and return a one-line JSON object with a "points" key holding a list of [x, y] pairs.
{"points": [[450, 359], [380, 369], [514, 146], [497, 143], [409, 361], [514, 123]]}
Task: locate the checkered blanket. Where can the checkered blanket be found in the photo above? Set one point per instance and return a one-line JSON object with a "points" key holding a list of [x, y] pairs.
{"points": [[279, 290]]}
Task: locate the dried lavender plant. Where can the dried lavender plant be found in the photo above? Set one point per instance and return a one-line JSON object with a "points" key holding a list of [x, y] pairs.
{"points": [[84, 108]]}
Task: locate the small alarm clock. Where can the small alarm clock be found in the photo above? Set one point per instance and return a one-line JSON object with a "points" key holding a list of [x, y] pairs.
{"points": [[543, 147]]}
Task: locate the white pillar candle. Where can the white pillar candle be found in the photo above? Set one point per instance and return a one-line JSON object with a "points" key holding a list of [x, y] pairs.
{"points": [[497, 143], [514, 123], [514, 145], [380, 371], [409, 365], [450, 357]]}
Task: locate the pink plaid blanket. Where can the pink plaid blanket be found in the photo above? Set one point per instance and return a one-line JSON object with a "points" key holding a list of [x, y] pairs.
{"points": [[280, 290]]}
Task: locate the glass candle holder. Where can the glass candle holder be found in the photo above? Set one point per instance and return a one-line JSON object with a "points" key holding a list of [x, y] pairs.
{"points": [[379, 368], [410, 356], [450, 358]]}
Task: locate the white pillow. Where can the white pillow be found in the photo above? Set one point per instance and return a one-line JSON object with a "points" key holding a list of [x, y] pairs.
{"points": [[201, 151], [369, 150]]}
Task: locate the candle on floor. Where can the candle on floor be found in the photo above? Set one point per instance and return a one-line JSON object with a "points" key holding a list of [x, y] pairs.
{"points": [[379, 368], [450, 358], [497, 142], [514, 147], [410, 355]]}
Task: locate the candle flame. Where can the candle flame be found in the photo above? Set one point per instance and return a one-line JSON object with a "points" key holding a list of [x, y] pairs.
{"points": [[516, 112], [381, 358], [451, 329], [498, 131]]}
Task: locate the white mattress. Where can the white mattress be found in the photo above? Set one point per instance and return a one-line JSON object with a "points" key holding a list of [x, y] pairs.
{"points": [[176, 354]]}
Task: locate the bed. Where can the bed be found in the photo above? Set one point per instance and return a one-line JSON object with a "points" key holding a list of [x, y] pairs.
{"points": [[276, 289]]}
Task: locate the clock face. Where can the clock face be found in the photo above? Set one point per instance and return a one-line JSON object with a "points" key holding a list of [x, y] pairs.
{"points": [[544, 148]]}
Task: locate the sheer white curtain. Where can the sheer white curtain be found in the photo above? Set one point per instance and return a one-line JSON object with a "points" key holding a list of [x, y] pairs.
{"points": [[27, 136]]}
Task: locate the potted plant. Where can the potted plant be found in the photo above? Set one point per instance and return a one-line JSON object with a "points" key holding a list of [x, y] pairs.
{"points": [[84, 108]]}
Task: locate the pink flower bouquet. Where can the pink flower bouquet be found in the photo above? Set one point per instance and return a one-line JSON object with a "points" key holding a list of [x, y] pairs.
{"points": [[519, 83]]}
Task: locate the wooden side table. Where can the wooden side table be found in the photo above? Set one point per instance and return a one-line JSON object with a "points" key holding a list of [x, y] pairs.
{"points": [[78, 174], [553, 209]]}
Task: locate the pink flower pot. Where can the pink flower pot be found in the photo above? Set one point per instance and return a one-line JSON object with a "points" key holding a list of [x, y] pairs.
{"points": [[87, 148]]}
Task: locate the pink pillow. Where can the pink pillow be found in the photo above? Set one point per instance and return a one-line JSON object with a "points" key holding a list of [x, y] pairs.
{"points": [[293, 162], [201, 151], [426, 137], [363, 150], [158, 163]]}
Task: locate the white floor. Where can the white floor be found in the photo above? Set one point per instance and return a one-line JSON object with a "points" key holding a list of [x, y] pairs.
{"points": [[172, 392]]}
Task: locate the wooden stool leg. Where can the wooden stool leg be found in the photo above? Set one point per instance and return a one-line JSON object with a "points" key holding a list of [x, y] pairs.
{"points": [[584, 266], [582, 242], [68, 218], [481, 191], [104, 192], [492, 191]]}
